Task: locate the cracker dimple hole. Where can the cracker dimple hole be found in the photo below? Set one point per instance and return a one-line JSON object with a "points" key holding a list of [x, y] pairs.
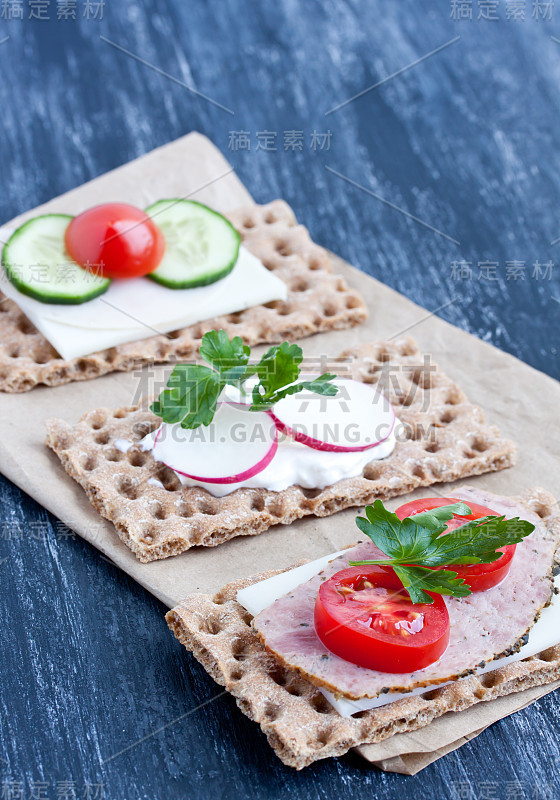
{"points": [[453, 397], [240, 650], [479, 445], [89, 463], [248, 222], [208, 507], [320, 704], [168, 480], [321, 740], [84, 365], [295, 689], [299, 286], [210, 625], [419, 472], [372, 472], [283, 309], [157, 510], [13, 351], [310, 494], [549, 655], [541, 510], [127, 487], [257, 504], [236, 674], [276, 508], [446, 417], [184, 509], [489, 680], [270, 218], [353, 302], [422, 378], [103, 437], [469, 454], [246, 616], [405, 399], [431, 447], [272, 711], [26, 327], [283, 249], [414, 432], [383, 356], [148, 537], [407, 349], [137, 458], [113, 455], [42, 357], [315, 264], [330, 310], [278, 674], [98, 421], [433, 695], [145, 427]]}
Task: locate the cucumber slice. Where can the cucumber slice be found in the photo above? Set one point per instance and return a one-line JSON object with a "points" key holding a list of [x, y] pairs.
{"points": [[201, 246], [36, 262]]}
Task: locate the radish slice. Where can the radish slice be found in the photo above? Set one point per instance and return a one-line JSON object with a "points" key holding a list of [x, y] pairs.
{"points": [[357, 418], [237, 445]]}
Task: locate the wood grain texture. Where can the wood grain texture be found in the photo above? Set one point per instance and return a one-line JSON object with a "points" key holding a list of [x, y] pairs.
{"points": [[465, 141]]}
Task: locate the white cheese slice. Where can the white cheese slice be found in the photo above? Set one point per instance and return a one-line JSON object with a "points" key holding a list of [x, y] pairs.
{"points": [[138, 308], [545, 633]]}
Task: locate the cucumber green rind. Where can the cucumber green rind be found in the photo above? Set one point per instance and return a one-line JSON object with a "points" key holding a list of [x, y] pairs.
{"points": [[48, 296], [200, 280]]}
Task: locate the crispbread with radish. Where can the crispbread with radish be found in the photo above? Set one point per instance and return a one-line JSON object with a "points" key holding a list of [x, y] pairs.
{"points": [[446, 439]]}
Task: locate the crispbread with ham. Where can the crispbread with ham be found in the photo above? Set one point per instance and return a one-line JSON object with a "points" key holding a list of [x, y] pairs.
{"points": [[484, 626], [299, 723]]}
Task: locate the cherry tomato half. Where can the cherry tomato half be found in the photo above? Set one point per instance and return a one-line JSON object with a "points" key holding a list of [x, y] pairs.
{"points": [[364, 615], [115, 240], [478, 576]]}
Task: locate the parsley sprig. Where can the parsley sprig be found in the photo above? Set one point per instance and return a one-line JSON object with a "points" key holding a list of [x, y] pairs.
{"points": [[193, 390], [415, 544]]}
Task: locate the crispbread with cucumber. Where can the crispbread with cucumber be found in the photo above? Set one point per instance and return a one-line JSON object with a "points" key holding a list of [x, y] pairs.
{"points": [[38, 266]]}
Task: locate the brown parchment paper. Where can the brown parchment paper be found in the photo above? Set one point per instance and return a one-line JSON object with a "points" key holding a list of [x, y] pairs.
{"points": [[517, 398]]}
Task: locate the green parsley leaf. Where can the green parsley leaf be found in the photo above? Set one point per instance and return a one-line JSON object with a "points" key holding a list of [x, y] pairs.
{"points": [[419, 580], [437, 517], [278, 367], [478, 540], [193, 390], [415, 543], [228, 357], [191, 397]]}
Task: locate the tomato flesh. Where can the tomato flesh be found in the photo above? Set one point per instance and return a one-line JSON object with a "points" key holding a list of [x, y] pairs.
{"points": [[478, 576], [364, 615], [115, 240]]}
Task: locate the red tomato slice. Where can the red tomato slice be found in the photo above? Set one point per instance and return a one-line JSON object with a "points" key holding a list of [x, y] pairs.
{"points": [[364, 615], [115, 240], [478, 576]]}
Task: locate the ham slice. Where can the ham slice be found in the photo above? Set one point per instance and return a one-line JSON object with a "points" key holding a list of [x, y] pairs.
{"points": [[484, 626]]}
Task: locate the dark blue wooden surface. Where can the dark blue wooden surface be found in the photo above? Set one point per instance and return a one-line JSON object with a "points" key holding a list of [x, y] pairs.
{"points": [[465, 141]]}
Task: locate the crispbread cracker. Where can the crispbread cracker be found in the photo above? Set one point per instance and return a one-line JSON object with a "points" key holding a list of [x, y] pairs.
{"points": [[447, 440], [318, 300], [298, 721]]}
